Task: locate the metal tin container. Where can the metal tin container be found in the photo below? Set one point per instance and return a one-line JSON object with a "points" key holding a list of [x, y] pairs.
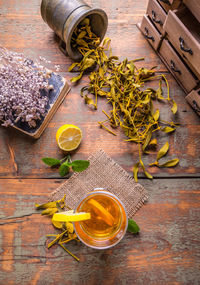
{"points": [[63, 16]]}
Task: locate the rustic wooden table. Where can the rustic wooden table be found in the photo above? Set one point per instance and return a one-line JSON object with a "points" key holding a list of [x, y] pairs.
{"points": [[167, 250]]}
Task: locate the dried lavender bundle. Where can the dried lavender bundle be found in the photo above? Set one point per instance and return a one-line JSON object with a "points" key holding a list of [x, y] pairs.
{"points": [[24, 89]]}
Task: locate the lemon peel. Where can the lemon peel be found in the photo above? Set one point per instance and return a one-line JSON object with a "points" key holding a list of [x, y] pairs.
{"points": [[68, 216], [100, 210]]}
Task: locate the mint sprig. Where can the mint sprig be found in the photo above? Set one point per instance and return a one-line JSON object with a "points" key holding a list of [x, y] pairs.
{"points": [[64, 169], [66, 164]]}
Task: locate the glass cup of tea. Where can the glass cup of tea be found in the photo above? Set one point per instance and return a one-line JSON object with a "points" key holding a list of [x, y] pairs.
{"points": [[108, 223]]}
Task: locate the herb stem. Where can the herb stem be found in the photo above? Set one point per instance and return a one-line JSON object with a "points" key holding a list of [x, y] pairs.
{"points": [[138, 59], [101, 125], [56, 239], [74, 256], [65, 240], [106, 114], [103, 121], [63, 158], [140, 156], [166, 82], [123, 85]]}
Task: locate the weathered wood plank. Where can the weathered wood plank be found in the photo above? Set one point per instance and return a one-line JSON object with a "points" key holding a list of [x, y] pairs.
{"points": [[129, 10], [29, 33], [26, 162], [165, 252], [167, 249], [46, 45], [126, 154], [32, 36]]}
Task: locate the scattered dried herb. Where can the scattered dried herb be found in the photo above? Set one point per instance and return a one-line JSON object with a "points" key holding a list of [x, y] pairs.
{"points": [[66, 164], [123, 85], [67, 228], [24, 90], [162, 152]]}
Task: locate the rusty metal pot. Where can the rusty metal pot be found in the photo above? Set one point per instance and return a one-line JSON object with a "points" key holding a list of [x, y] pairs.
{"points": [[63, 16]]}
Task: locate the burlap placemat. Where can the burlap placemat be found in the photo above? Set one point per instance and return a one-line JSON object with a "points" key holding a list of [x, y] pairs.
{"points": [[103, 172]]}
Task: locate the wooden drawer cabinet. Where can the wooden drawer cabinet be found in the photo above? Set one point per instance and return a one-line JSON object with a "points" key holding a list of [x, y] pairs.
{"points": [[194, 100], [177, 41], [169, 4], [150, 32], [194, 7], [177, 67], [157, 15], [183, 30]]}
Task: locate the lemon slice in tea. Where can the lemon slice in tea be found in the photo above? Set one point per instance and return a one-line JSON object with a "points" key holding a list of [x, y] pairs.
{"points": [[101, 211], [68, 137], [68, 216]]}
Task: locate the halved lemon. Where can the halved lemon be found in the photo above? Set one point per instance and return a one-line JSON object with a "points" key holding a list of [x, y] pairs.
{"points": [[68, 137], [68, 216], [102, 212]]}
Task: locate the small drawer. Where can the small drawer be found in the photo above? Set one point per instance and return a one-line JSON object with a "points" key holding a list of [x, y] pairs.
{"points": [[194, 100], [194, 7], [150, 32], [176, 66], [183, 31], [157, 15], [169, 4]]}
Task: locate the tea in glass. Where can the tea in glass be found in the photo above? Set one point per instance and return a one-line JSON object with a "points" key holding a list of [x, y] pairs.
{"points": [[108, 222]]}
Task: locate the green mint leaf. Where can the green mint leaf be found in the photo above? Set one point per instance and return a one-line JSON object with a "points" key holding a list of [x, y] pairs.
{"points": [[64, 169], [80, 165], [51, 161], [133, 227], [69, 159]]}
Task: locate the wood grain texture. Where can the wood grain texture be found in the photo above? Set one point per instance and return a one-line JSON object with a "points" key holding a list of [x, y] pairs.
{"points": [[167, 250], [127, 41], [184, 143]]}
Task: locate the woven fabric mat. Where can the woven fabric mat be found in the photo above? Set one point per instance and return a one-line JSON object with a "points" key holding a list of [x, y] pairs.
{"points": [[103, 172]]}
